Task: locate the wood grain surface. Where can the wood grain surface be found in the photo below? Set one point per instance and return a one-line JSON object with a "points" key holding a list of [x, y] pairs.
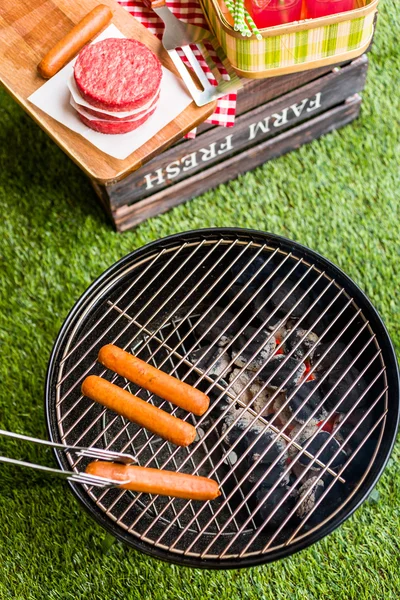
{"points": [[129, 216], [217, 144], [28, 29]]}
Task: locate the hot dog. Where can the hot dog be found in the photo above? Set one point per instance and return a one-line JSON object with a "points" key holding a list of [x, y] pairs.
{"points": [[152, 379], [134, 409], [74, 41], [157, 481]]}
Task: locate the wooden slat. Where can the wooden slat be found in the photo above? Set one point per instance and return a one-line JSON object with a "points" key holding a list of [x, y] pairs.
{"points": [[28, 29], [127, 217], [259, 91], [255, 126]]}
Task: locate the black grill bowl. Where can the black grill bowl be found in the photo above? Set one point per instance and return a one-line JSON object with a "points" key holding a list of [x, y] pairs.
{"points": [[167, 285]]}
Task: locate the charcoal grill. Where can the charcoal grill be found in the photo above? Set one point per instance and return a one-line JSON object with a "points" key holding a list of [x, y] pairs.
{"points": [[218, 289]]}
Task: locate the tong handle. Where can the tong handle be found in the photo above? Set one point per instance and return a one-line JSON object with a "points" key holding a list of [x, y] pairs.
{"points": [[98, 453], [75, 477], [83, 478]]}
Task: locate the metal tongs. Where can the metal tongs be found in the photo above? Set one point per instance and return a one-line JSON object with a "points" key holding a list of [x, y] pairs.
{"points": [[178, 34], [79, 477]]}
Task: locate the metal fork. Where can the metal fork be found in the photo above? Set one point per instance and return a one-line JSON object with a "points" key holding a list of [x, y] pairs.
{"points": [[178, 34], [84, 478]]}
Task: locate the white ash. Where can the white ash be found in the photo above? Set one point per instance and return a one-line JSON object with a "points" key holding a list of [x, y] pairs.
{"points": [[231, 458], [241, 418], [286, 477], [247, 391], [281, 329], [298, 469], [262, 403], [307, 505], [305, 434], [199, 434], [284, 415], [240, 387]]}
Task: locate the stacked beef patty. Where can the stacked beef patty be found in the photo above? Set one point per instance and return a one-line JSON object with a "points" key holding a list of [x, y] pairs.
{"points": [[120, 79]]}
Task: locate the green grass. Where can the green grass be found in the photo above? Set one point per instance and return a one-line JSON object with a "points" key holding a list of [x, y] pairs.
{"points": [[339, 195]]}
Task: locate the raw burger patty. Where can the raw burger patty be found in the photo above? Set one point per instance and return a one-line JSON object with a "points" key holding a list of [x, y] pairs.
{"points": [[117, 74], [115, 126], [106, 117]]}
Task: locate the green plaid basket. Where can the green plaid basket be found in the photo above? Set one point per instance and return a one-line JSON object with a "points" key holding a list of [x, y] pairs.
{"points": [[296, 46]]}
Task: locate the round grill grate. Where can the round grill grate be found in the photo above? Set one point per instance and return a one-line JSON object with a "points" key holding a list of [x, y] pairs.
{"points": [[295, 361]]}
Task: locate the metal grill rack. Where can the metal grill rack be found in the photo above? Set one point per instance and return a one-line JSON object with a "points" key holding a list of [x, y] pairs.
{"points": [[153, 307]]}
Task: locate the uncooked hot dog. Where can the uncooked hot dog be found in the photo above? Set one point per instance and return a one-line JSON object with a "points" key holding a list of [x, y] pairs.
{"points": [[134, 409], [157, 481], [74, 41], [154, 380]]}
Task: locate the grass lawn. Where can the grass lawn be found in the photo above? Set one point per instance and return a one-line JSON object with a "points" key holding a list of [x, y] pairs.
{"points": [[339, 195]]}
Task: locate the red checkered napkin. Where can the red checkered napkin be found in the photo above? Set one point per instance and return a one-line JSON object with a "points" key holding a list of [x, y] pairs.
{"points": [[189, 11]]}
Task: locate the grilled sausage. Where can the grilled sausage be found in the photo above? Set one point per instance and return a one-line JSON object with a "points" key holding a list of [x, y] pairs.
{"points": [[157, 481], [134, 409], [154, 380], [74, 41]]}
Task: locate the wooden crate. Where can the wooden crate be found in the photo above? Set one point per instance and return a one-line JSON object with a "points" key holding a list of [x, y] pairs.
{"points": [[274, 116]]}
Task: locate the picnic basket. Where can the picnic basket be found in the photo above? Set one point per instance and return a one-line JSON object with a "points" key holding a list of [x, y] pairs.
{"points": [[293, 47]]}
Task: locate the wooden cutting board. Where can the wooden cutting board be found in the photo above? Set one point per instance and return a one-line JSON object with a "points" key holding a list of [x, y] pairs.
{"points": [[28, 29]]}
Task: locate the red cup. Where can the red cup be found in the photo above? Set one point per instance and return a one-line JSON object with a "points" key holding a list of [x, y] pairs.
{"points": [[267, 13], [322, 8]]}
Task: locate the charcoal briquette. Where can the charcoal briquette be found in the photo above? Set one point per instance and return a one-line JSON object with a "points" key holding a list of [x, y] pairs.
{"points": [[255, 305], [268, 438], [284, 367], [269, 476], [286, 305], [330, 449], [338, 390], [338, 384], [354, 428], [281, 410], [211, 356], [328, 355], [216, 334], [270, 500], [307, 344], [314, 401], [331, 501], [240, 419], [253, 355], [259, 263]]}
